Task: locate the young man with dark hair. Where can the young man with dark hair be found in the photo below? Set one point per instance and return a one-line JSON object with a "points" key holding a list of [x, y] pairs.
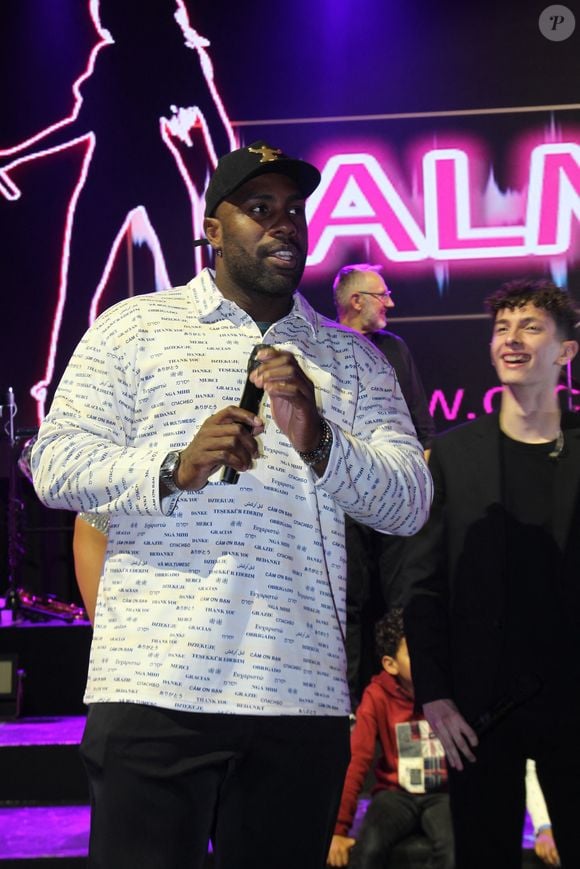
{"points": [[217, 691], [494, 614], [411, 777], [542, 295]]}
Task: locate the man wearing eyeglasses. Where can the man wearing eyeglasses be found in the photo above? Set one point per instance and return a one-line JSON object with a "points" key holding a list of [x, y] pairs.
{"points": [[362, 300]]}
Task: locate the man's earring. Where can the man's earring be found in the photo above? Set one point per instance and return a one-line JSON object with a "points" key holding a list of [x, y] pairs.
{"points": [[219, 251]]}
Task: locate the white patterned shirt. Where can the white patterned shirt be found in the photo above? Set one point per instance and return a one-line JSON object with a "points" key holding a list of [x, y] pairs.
{"points": [[232, 598]]}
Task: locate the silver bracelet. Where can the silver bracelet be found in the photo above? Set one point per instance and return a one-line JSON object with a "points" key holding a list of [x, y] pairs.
{"points": [[313, 457]]}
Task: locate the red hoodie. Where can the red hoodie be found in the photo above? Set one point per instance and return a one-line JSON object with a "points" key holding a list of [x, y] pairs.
{"points": [[412, 758]]}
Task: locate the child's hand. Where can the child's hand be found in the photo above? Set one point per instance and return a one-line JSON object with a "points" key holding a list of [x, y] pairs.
{"points": [[339, 849], [545, 847]]}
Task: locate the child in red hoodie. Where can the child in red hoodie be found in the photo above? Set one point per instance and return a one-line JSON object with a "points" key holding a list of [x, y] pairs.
{"points": [[410, 793]]}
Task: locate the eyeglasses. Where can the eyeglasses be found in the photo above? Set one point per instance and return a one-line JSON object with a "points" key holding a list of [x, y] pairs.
{"points": [[385, 295]]}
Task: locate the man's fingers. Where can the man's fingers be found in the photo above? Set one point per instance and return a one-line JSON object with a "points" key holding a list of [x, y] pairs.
{"points": [[233, 414], [280, 373], [453, 731], [234, 446], [450, 748], [227, 438], [463, 738]]}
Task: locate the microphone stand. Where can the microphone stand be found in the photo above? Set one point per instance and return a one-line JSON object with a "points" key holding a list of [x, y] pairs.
{"points": [[12, 602]]}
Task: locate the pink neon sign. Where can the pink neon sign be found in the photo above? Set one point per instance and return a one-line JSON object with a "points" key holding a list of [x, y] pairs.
{"points": [[357, 198], [174, 124], [448, 405]]}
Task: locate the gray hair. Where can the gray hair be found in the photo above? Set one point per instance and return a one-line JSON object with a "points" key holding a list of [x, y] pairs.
{"points": [[345, 282]]}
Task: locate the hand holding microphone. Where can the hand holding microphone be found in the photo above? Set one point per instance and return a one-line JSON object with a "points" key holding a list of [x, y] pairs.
{"points": [[228, 437], [251, 398], [292, 399]]}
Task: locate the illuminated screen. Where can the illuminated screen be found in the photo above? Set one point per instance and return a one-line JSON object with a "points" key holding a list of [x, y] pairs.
{"points": [[128, 105]]}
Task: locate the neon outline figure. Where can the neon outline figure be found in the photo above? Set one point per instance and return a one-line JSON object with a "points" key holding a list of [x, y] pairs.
{"points": [[134, 179]]}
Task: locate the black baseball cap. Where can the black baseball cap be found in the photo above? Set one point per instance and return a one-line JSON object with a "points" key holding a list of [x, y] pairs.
{"points": [[237, 167]]}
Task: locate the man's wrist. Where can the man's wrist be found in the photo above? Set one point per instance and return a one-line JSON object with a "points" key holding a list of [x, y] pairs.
{"points": [[168, 473], [321, 452]]}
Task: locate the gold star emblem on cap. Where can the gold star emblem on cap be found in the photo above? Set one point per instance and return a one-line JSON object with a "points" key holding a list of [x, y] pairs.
{"points": [[268, 154]]}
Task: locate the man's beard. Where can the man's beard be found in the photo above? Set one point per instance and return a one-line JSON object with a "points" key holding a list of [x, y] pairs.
{"points": [[255, 274], [374, 323]]}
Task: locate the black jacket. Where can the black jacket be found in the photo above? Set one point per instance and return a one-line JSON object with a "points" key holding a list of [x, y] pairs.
{"points": [[454, 568]]}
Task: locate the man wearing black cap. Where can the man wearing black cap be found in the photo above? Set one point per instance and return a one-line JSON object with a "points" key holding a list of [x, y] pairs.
{"points": [[217, 691]]}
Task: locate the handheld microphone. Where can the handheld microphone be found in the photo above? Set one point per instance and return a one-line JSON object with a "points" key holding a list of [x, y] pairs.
{"points": [[251, 398]]}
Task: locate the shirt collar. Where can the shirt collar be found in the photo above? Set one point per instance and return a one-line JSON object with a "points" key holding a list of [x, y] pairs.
{"points": [[208, 300]]}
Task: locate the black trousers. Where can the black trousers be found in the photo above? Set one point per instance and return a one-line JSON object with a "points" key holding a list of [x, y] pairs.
{"points": [[264, 789], [393, 815], [488, 798], [373, 585]]}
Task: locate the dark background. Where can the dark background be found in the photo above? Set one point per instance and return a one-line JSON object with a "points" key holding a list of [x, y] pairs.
{"points": [[303, 76]]}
